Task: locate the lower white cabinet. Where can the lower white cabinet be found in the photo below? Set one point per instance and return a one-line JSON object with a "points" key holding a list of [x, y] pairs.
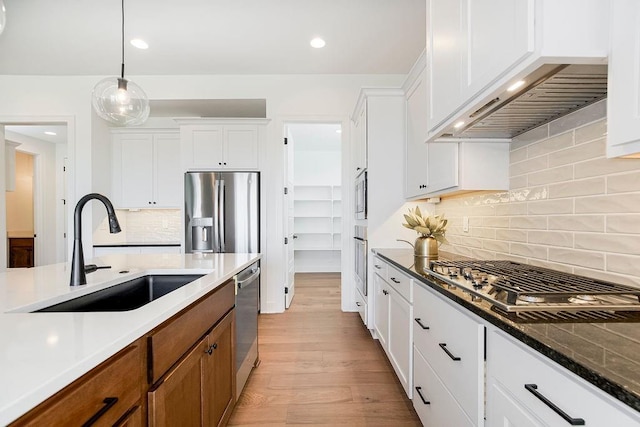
{"points": [[527, 389], [432, 401], [393, 315], [361, 304]]}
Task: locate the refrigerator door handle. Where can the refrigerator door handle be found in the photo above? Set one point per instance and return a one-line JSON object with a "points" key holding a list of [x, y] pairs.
{"points": [[216, 213], [221, 196]]}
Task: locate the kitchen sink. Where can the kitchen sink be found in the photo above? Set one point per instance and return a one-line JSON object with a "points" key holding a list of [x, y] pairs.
{"points": [[127, 295]]}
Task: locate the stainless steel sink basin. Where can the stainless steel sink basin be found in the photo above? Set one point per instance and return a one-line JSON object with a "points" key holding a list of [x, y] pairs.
{"points": [[125, 296]]}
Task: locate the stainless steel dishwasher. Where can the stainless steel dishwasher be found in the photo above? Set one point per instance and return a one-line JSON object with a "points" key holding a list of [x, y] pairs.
{"points": [[247, 294]]}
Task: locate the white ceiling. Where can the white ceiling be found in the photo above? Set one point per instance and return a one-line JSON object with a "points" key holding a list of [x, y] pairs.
{"points": [[82, 37], [38, 132]]}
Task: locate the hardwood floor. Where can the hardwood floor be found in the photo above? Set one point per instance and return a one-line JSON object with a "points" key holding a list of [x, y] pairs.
{"points": [[321, 367]]}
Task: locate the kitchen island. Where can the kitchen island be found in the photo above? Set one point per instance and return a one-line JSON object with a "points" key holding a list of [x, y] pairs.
{"points": [[42, 353]]}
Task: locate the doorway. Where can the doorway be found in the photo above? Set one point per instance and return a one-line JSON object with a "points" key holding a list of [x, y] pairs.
{"points": [[313, 220], [36, 208]]}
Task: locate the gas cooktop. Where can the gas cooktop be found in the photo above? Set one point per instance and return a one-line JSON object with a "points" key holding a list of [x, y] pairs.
{"points": [[535, 293]]}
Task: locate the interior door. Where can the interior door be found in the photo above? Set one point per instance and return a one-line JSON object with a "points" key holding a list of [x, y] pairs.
{"points": [[288, 221]]}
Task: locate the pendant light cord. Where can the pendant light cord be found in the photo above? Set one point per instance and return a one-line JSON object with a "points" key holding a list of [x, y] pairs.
{"points": [[122, 39]]}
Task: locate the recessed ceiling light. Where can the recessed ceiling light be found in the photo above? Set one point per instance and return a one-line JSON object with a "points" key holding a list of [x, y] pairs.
{"points": [[317, 43], [338, 130], [515, 86], [139, 43], [458, 125], [50, 133]]}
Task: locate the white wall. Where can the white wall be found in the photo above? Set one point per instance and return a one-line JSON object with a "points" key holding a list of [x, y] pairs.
{"points": [[290, 96]]}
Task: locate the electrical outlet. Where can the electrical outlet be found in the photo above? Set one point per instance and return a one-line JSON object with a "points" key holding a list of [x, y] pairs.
{"points": [[465, 224]]}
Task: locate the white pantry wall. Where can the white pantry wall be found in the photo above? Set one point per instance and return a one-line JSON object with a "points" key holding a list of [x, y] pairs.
{"points": [[297, 96]]}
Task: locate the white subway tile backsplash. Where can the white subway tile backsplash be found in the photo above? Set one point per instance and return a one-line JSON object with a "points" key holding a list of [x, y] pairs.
{"points": [[577, 223], [623, 183], [629, 224], [550, 145], [585, 187], [569, 208], [551, 207], [559, 174]]}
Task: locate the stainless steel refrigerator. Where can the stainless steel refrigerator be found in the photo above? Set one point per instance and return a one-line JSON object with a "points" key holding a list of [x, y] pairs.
{"points": [[222, 212]]}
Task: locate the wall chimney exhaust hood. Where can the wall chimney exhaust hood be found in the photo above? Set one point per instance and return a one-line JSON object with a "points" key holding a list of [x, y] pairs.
{"points": [[550, 92]]}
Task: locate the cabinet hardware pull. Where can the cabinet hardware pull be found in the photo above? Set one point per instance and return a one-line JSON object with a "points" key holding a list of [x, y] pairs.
{"points": [[533, 389], [393, 279], [377, 266], [419, 322], [384, 291], [444, 347], [425, 401], [357, 303], [108, 403], [211, 348]]}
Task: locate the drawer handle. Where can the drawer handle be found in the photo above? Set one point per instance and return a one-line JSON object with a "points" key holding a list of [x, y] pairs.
{"points": [[357, 303], [393, 279], [108, 403], [419, 322], [425, 401], [386, 292], [444, 347], [377, 266], [211, 348], [533, 389]]}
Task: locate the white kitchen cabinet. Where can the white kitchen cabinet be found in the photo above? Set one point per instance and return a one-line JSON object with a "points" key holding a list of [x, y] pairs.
{"points": [[215, 144], [393, 317], [512, 389], [433, 403], [623, 114], [146, 169], [476, 49], [453, 344], [416, 178]]}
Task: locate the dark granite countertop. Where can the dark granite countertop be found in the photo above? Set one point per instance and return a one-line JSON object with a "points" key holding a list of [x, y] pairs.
{"points": [[605, 354]]}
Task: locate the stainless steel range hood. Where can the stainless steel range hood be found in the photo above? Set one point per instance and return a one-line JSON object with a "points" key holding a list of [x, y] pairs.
{"points": [[548, 93]]}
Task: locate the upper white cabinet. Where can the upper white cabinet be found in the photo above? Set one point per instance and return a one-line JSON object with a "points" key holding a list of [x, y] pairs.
{"points": [[221, 144], [623, 112], [416, 153], [146, 169], [480, 47]]}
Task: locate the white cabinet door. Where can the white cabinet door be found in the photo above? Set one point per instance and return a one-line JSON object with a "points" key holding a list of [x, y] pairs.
{"points": [[623, 103], [442, 168], [416, 153], [381, 310], [240, 147], [506, 411], [445, 44], [500, 33], [361, 139], [136, 172], [207, 147], [400, 339], [168, 180]]}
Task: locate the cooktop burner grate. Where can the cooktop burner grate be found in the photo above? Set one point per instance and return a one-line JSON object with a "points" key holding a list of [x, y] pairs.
{"points": [[522, 279]]}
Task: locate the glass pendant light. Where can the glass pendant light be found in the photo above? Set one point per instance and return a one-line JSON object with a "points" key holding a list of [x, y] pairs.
{"points": [[3, 16], [118, 100]]}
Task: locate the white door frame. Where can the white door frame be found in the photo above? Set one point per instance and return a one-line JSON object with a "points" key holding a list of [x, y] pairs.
{"points": [[69, 122], [347, 290]]}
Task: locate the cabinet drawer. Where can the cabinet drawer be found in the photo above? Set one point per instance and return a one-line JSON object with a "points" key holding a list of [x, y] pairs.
{"points": [[454, 346], [171, 340], [512, 366], [107, 392], [433, 403], [401, 283], [361, 305], [380, 267]]}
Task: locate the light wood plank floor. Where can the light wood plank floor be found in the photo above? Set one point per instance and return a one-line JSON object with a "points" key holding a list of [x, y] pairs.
{"points": [[320, 366]]}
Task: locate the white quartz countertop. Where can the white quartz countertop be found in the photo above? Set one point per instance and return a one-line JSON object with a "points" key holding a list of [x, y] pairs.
{"points": [[43, 352]]}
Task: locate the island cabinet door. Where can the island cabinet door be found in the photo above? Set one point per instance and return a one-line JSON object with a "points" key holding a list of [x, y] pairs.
{"points": [[176, 400], [218, 392]]}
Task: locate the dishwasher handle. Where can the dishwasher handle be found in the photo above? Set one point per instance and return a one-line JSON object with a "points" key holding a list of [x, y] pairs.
{"points": [[241, 283]]}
